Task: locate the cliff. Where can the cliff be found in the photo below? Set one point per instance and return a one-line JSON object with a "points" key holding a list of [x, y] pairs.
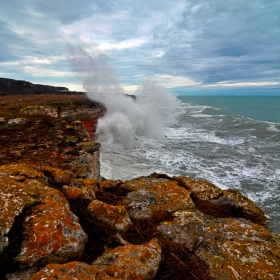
{"points": [[11, 86], [59, 220]]}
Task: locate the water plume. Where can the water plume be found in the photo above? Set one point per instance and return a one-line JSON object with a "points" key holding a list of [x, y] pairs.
{"points": [[154, 108]]}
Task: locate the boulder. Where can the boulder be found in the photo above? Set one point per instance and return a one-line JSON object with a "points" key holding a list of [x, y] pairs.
{"points": [[33, 110], [50, 231], [232, 248], [139, 262], [73, 270], [114, 217], [149, 197], [213, 201]]}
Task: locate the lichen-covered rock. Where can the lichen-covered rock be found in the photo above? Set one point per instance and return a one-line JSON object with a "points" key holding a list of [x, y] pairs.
{"points": [[213, 201], [115, 217], [107, 185], [13, 200], [33, 110], [139, 262], [23, 274], [51, 231], [3, 123], [89, 146], [17, 121], [42, 173], [70, 271], [149, 196], [233, 248], [81, 194], [199, 189]]}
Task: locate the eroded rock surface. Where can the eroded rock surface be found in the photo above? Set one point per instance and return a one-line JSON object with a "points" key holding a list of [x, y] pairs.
{"points": [[50, 232], [131, 261], [69, 271]]}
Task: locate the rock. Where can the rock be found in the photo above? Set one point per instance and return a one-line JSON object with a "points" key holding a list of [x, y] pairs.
{"points": [[87, 166], [11, 122], [213, 201], [51, 232], [12, 86], [232, 248], [45, 174], [33, 110], [131, 261], [114, 217], [72, 270], [89, 146], [3, 123], [23, 274], [152, 196], [85, 195]]}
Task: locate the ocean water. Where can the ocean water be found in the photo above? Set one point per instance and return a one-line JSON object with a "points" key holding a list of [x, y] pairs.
{"points": [[233, 142]]}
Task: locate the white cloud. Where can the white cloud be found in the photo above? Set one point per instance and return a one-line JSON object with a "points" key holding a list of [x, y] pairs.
{"points": [[170, 81], [43, 72], [126, 44]]}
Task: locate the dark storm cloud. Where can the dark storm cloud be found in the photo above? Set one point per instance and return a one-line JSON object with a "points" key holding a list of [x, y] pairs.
{"points": [[226, 40], [187, 42]]}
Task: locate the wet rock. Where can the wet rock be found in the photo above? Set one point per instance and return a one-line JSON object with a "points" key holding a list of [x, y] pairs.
{"points": [[150, 196], [72, 270], [131, 261], [115, 217]]}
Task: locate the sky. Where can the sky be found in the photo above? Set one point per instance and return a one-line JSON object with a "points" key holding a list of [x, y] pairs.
{"points": [[187, 46]]}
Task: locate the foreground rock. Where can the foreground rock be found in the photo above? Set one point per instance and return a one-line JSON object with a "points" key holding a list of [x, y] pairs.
{"points": [[131, 261], [55, 226]]}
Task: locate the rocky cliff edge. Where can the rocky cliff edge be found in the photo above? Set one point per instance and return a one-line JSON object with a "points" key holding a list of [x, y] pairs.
{"points": [[58, 221]]}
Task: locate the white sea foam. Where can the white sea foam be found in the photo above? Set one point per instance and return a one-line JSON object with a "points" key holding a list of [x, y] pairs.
{"points": [[272, 127], [201, 116]]}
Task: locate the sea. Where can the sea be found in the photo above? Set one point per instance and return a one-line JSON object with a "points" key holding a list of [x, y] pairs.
{"points": [[231, 141]]}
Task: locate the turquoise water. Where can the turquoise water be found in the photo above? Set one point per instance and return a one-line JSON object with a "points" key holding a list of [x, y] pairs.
{"points": [[261, 108]]}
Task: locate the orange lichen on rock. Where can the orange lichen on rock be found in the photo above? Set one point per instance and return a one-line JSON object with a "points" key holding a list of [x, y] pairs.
{"points": [[211, 200], [139, 262], [70, 271], [150, 195], [115, 217], [75, 193], [233, 248], [52, 232]]}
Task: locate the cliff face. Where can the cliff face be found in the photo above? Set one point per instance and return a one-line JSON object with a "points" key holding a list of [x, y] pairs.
{"points": [[58, 220], [11, 86]]}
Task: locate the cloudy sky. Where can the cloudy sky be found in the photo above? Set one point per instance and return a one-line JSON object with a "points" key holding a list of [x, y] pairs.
{"points": [[188, 46]]}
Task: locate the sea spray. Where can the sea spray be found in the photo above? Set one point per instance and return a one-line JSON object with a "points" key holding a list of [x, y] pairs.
{"points": [[154, 108]]}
